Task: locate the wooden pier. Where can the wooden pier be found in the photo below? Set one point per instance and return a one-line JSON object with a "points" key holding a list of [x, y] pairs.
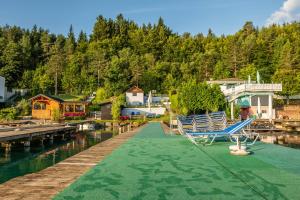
{"points": [[26, 135], [50, 181], [33, 132]]}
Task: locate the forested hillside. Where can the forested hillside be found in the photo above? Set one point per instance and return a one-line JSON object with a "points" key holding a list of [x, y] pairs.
{"points": [[119, 53]]}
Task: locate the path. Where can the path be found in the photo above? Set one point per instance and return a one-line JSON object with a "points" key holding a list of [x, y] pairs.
{"points": [[48, 182]]}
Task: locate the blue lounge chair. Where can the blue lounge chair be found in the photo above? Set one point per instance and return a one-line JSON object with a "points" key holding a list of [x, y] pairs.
{"points": [[202, 123], [210, 136]]}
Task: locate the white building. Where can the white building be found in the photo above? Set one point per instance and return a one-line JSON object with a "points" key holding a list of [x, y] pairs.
{"points": [[135, 97], [2, 89], [259, 96], [136, 103], [6, 94]]}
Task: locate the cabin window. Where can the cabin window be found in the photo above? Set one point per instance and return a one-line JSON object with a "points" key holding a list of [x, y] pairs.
{"points": [[69, 108], [39, 106], [79, 108], [134, 94], [1, 97]]}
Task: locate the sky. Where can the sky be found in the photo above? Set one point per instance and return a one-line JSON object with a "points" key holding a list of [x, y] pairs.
{"points": [[193, 16]]}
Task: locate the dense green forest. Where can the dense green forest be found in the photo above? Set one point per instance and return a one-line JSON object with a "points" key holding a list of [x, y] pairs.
{"points": [[119, 53]]}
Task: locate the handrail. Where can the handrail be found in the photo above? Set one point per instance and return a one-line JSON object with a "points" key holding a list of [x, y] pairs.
{"points": [[253, 88]]}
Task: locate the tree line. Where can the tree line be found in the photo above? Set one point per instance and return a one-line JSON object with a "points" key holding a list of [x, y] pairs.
{"points": [[119, 53]]}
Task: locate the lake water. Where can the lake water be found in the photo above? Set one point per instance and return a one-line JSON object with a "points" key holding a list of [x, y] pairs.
{"points": [[21, 161]]}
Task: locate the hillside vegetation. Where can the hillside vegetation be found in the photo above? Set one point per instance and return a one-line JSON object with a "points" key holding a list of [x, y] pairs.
{"points": [[119, 54]]}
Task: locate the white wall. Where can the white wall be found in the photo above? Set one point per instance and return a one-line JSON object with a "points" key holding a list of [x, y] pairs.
{"points": [[135, 100], [5, 94], [2, 89], [145, 110], [264, 110]]}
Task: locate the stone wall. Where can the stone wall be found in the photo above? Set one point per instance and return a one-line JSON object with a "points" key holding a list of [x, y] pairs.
{"points": [[288, 112]]}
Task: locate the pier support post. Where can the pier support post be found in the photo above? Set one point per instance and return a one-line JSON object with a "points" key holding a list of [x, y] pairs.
{"points": [[232, 110], [7, 147], [270, 107], [27, 143], [120, 130], [42, 142], [51, 139]]}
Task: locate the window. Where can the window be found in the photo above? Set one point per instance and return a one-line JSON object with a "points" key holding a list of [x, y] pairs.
{"points": [[134, 94], [39, 106], [79, 108], [69, 108]]}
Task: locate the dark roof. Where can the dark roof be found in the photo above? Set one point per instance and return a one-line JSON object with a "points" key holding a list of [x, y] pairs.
{"points": [[49, 97], [105, 102], [135, 89]]}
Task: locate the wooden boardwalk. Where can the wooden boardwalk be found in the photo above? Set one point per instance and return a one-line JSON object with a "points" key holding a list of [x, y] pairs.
{"points": [[50, 181]]}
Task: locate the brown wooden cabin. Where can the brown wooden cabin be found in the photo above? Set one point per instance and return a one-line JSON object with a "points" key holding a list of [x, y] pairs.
{"points": [[44, 107], [105, 110]]}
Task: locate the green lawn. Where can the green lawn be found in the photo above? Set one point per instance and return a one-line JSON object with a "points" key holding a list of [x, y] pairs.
{"points": [[153, 166]]}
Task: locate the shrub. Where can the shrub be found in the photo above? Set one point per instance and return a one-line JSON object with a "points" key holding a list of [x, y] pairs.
{"points": [[55, 115], [94, 107], [101, 95], [116, 106], [23, 107], [8, 114]]}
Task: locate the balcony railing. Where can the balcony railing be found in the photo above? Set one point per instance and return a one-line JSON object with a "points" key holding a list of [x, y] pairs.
{"points": [[253, 88]]}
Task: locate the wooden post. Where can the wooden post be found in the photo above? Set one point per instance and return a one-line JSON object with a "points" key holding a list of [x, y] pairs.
{"points": [[51, 139], [27, 143], [120, 130], [42, 142], [7, 148]]}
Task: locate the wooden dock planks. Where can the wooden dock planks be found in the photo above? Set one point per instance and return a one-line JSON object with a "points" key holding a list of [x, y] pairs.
{"points": [[50, 181], [21, 134]]}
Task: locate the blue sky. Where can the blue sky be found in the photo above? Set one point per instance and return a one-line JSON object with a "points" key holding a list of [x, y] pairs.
{"points": [[194, 16]]}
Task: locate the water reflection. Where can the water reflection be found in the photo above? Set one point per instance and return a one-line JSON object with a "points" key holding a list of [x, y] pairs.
{"points": [[21, 161]]}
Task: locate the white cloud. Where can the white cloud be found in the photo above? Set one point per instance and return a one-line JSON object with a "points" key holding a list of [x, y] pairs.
{"points": [[289, 11]]}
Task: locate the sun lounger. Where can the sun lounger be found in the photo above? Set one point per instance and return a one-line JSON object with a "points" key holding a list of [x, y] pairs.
{"points": [[206, 128]]}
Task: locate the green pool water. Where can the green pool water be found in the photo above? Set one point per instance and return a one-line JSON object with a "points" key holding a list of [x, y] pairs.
{"points": [[22, 161]]}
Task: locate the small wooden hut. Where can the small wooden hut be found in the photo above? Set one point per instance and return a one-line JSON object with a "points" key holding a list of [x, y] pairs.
{"points": [[45, 107], [105, 110]]}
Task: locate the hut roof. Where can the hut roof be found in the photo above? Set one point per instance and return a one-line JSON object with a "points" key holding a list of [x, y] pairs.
{"points": [[135, 89], [47, 96]]}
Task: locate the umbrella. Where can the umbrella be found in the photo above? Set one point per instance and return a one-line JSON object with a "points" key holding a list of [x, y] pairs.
{"points": [[258, 107], [149, 101], [257, 77]]}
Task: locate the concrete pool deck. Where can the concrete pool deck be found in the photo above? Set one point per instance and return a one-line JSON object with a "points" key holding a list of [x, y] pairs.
{"points": [[152, 165]]}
